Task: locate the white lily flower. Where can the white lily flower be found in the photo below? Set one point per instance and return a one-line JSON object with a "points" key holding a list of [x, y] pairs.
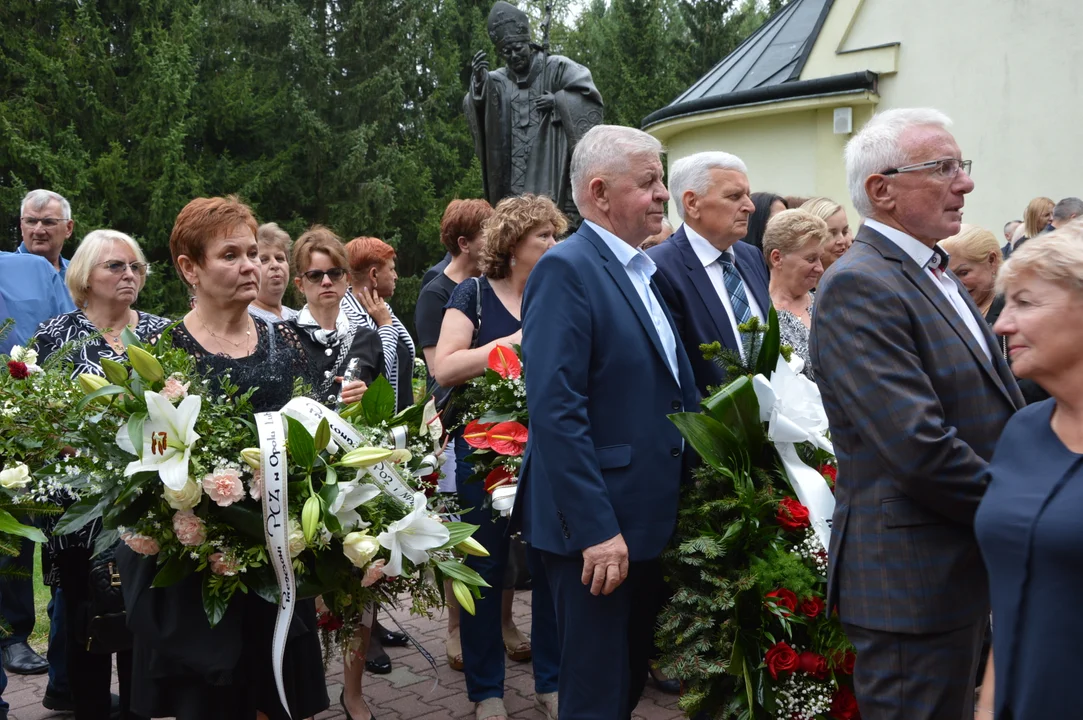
{"points": [[413, 536], [24, 355], [168, 436], [352, 495]]}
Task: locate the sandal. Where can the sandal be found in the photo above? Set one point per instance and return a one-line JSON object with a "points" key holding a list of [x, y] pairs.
{"points": [[547, 705], [453, 648], [490, 708], [516, 645]]}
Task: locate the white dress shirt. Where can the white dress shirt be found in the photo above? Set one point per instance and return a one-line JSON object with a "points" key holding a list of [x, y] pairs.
{"points": [[708, 254], [640, 268], [922, 254]]}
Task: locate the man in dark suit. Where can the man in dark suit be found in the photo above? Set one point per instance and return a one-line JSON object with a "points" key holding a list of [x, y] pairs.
{"points": [[601, 475], [916, 393], [711, 282]]}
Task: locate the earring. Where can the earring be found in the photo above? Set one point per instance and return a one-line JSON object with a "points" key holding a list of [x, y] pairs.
{"points": [[512, 263]]}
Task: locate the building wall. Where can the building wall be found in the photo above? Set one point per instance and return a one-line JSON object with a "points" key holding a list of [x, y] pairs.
{"points": [[1006, 71]]}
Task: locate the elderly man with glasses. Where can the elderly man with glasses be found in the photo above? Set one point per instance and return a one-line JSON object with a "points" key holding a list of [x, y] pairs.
{"points": [[917, 393], [32, 290]]}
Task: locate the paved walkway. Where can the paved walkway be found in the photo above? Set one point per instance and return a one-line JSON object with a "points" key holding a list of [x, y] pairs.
{"points": [[408, 693]]}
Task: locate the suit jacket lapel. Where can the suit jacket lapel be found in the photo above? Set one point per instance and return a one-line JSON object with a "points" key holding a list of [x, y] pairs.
{"points": [[620, 277], [702, 282], [928, 288]]}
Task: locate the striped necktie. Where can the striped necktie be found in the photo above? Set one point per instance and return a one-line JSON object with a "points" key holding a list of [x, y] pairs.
{"points": [[735, 286]]}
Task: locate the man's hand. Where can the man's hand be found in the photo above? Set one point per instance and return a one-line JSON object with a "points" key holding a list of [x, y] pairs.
{"points": [[545, 102], [479, 67], [375, 306], [605, 565]]}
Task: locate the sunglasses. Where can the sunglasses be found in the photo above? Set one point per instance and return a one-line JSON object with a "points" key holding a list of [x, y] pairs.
{"points": [[316, 276], [117, 267]]}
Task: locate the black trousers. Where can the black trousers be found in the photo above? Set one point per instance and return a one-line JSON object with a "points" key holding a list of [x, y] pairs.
{"points": [[90, 675], [605, 640]]}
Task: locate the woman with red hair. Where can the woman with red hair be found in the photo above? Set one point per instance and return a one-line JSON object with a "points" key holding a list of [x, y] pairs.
{"points": [[373, 276]]}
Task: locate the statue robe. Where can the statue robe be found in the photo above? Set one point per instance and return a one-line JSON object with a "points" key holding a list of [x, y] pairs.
{"points": [[524, 150]]}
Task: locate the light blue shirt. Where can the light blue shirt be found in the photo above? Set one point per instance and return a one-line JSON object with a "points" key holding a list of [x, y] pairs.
{"points": [[640, 269], [31, 292], [63, 261]]}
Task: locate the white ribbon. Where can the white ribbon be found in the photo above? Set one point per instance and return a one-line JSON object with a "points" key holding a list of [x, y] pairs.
{"points": [[791, 406], [504, 499], [272, 446]]}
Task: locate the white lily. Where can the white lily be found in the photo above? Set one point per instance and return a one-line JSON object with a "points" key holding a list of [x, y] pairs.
{"points": [[168, 436], [24, 355], [352, 495], [412, 536]]}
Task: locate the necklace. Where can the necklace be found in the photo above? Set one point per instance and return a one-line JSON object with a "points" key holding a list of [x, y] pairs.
{"points": [[113, 338], [220, 339]]}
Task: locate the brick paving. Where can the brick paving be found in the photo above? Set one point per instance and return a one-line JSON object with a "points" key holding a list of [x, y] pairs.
{"points": [[410, 692]]}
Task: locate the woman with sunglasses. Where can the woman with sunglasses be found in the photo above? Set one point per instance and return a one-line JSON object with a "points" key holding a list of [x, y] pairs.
{"points": [[104, 276]]}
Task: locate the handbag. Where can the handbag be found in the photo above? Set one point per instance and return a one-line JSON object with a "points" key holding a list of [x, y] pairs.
{"points": [[107, 629], [447, 399]]}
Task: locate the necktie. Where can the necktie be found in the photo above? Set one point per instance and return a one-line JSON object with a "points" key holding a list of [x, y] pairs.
{"points": [[735, 286]]}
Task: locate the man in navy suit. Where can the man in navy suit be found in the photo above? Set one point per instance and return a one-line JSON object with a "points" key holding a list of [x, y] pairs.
{"points": [[603, 469], [711, 282]]}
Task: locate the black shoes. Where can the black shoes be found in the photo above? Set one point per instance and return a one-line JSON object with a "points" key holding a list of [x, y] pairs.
{"points": [[390, 638], [64, 702], [342, 701], [21, 660]]}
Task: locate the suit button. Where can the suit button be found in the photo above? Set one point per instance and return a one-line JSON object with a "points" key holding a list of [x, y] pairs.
{"points": [[675, 452], [676, 405]]}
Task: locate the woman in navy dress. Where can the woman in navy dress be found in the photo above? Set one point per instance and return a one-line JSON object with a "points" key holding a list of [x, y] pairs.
{"points": [[1028, 524], [481, 314]]}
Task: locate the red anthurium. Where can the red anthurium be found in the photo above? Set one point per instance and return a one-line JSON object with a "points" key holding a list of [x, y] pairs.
{"points": [[505, 363], [476, 434], [507, 438], [499, 477]]}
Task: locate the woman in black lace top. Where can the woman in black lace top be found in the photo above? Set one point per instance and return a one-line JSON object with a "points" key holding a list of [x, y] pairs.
{"points": [[183, 667], [104, 277]]}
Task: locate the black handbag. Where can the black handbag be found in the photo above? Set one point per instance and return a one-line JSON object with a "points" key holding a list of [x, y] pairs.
{"points": [[107, 629], [449, 400]]}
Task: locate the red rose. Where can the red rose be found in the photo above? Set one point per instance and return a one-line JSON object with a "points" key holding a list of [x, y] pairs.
{"points": [[844, 705], [812, 606], [18, 370], [785, 600], [847, 664], [813, 664], [830, 473], [792, 515], [329, 622], [780, 658]]}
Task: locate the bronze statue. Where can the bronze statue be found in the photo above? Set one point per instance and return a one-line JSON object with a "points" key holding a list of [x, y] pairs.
{"points": [[527, 116]]}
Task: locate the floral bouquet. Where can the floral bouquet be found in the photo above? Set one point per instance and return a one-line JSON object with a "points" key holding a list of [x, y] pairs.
{"points": [[747, 630], [498, 432], [180, 469]]}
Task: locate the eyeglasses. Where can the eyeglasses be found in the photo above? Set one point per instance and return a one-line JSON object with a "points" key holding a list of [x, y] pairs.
{"points": [[45, 222], [117, 267], [947, 167], [316, 276]]}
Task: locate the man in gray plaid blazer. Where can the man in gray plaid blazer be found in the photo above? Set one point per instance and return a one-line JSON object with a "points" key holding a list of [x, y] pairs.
{"points": [[916, 392]]}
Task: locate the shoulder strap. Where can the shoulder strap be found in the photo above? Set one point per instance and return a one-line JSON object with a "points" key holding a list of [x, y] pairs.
{"points": [[477, 312]]}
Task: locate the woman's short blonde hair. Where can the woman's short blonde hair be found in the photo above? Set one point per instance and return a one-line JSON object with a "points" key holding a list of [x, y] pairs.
{"points": [[510, 222], [1055, 257], [318, 239], [271, 234], [791, 230], [1032, 216], [821, 207], [972, 243], [89, 254]]}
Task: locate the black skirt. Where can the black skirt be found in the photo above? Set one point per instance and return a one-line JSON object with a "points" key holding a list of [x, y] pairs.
{"points": [[185, 669]]}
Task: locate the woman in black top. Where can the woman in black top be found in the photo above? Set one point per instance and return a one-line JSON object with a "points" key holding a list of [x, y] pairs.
{"points": [[182, 667], [105, 276]]}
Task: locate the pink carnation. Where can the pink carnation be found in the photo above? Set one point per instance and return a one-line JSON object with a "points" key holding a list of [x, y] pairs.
{"points": [[255, 485], [174, 390], [224, 486], [189, 528], [373, 573], [220, 565], [142, 544]]}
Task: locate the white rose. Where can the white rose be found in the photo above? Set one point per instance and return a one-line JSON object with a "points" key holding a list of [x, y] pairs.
{"points": [[297, 540], [186, 498], [360, 548], [23, 355], [15, 477]]}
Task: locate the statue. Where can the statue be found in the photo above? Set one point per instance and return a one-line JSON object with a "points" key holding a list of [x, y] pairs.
{"points": [[526, 117]]}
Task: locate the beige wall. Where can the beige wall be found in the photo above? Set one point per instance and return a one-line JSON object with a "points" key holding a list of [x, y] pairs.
{"points": [[1007, 71]]}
